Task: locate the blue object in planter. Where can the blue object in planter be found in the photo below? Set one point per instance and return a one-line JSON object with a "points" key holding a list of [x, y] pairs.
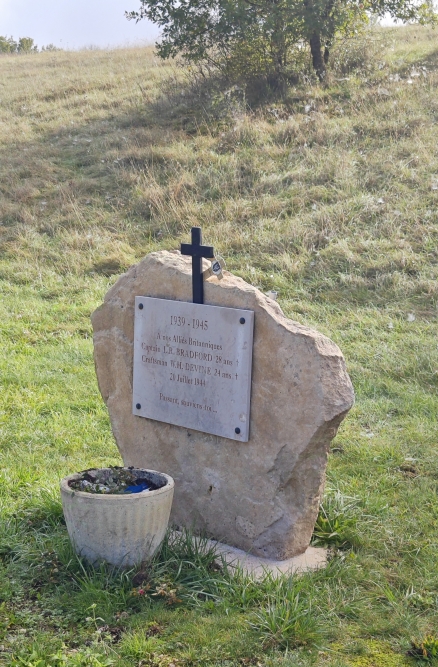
{"points": [[137, 488]]}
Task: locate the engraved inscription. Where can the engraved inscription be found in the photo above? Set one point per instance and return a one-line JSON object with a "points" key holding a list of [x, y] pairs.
{"points": [[192, 365]]}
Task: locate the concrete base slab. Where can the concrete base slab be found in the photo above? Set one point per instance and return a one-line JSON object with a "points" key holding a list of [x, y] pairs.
{"points": [[312, 559]]}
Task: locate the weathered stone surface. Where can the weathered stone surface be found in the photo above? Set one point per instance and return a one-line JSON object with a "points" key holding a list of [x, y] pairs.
{"points": [[261, 496]]}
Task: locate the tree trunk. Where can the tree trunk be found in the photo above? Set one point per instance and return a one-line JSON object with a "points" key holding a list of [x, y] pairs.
{"points": [[278, 51], [317, 57]]}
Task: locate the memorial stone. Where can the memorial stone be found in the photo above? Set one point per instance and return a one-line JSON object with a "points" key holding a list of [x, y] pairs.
{"points": [[248, 453]]}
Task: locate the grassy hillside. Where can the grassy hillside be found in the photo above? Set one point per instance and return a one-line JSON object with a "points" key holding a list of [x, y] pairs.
{"points": [[329, 198]]}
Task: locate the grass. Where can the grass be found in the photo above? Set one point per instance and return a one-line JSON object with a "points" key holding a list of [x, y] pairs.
{"points": [[330, 199]]}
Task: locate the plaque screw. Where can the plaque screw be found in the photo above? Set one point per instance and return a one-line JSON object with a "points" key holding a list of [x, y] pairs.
{"points": [[140, 305], [138, 406], [237, 429], [242, 320]]}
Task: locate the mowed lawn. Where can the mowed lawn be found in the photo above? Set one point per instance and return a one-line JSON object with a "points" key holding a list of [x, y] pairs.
{"points": [[330, 198]]}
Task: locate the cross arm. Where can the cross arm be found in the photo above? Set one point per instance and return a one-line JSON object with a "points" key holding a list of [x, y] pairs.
{"points": [[197, 251]]}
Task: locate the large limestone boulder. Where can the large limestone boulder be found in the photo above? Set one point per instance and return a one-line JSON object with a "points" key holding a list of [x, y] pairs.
{"points": [[261, 496]]}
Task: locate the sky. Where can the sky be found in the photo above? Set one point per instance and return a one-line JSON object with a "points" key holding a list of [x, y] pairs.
{"points": [[73, 24]]}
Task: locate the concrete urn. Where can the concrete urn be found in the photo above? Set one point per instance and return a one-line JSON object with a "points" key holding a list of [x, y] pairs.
{"points": [[122, 530]]}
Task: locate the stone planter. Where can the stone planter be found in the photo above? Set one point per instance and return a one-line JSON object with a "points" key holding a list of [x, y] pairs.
{"points": [[123, 530]]}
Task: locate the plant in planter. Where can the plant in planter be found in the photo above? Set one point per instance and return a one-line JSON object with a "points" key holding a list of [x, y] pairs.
{"points": [[117, 515]]}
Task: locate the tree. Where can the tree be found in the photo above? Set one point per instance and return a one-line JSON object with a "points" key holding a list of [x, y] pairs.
{"points": [[322, 20], [51, 47], [7, 45], [24, 45], [212, 29]]}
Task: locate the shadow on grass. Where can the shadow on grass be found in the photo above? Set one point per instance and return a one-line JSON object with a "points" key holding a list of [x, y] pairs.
{"points": [[431, 60]]}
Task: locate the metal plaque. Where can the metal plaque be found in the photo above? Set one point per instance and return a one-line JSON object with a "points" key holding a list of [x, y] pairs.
{"points": [[192, 365]]}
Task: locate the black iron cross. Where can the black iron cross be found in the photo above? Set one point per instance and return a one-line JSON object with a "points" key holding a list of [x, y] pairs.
{"points": [[197, 251]]}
